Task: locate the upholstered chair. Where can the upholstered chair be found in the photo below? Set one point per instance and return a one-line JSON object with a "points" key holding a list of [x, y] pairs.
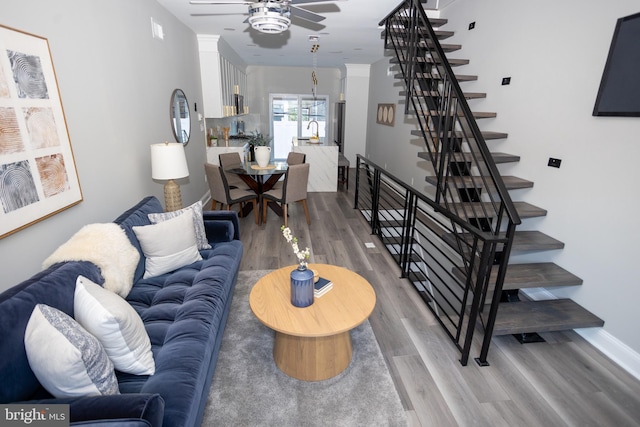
{"points": [[295, 158], [221, 193], [230, 161], [293, 190]]}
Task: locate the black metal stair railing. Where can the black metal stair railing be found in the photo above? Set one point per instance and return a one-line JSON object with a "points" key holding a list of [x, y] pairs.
{"points": [[430, 244], [468, 185]]}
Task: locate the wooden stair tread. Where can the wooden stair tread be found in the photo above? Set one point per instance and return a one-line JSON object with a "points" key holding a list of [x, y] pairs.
{"points": [[473, 209], [476, 114], [487, 135], [436, 94], [510, 182], [446, 47], [435, 22], [440, 34], [536, 275], [531, 275], [534, 241], [522, 241], [543, 316], [433, 76], [454, 62], [438, 22], [461, 157]]}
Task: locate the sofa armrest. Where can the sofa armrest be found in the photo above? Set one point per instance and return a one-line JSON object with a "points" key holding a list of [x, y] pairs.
{"points": [[129, 409], [221, 226]]}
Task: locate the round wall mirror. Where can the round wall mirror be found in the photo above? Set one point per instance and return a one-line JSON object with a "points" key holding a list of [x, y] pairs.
{"points": [[180, 121]]}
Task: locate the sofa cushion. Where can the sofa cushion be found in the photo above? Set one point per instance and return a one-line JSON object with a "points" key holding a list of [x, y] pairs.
{"points": [[116, 325], [138, 215], [198, 223], [54, 287], [184, 312], [67, 360], [147, 409], [168, 245]]}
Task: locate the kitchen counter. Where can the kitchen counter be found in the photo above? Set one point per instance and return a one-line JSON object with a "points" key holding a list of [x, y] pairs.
{"points": [[323, 158], [238, 145]]}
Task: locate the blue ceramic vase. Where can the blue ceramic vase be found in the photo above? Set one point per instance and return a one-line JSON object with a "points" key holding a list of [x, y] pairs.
{"points": [[302, 287]]}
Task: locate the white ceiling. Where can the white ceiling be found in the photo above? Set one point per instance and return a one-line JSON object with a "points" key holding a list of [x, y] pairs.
{"points": [[349, 34]]}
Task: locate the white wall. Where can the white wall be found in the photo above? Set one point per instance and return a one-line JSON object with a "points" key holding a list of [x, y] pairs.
{"points": [[262, 80], [356, 87], [555, 54], [115, 82]]}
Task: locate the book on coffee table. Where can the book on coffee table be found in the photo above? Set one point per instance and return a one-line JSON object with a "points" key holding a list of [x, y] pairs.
{"points": [[321, 287]]}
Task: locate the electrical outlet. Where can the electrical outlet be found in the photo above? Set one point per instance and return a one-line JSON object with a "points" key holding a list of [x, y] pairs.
{"points": [[369, 245], [506, 81], [472, 26], [554, 163]]}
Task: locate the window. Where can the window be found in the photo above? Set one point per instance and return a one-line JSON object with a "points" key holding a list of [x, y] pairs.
{"points": [[291, 116]]}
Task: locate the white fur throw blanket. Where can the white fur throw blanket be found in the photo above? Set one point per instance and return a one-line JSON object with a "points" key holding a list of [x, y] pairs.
{"points": [[108, 247]]}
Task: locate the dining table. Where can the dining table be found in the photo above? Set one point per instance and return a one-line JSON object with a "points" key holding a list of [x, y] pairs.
{"points": [[254, 175], [260, 179]]}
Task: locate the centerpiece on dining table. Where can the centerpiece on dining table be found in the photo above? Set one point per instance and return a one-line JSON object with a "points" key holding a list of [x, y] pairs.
{"points": [[261, 144], [302, 278]]}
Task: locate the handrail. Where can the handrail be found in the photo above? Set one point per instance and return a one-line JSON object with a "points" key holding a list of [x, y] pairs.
{"points": [[470, 192], [462, 106], [430, 244]]}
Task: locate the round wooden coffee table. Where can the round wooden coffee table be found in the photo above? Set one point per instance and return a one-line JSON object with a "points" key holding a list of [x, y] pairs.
{"points": [[313, 343]]}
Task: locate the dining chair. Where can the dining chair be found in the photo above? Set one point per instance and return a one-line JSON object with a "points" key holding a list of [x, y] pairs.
{"points": [[293, 190], [295, 158], [221, 193], [230, 161]]}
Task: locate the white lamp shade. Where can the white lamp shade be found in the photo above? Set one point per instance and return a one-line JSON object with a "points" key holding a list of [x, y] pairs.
{"points": [[168, 161]]}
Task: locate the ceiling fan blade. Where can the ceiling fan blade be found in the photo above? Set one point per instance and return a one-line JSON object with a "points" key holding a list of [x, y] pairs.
{"points": [[219, 2], [217, 14], [305, 14], [312, 1]]}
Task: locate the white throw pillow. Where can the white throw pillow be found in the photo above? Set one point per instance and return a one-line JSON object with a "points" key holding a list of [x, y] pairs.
{"points": [[116, 325], [198, 221], [168, 245], [67, 360]]}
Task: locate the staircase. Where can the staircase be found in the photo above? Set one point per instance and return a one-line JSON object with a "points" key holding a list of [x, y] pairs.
{"points": [[469, 186]]}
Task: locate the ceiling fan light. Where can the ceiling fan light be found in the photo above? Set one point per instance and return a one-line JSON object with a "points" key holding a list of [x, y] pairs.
{"points": [[269, 17]]}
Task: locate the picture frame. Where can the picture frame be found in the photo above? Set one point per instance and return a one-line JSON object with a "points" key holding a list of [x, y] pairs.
{"points": [[38, 175], [386, 114]]}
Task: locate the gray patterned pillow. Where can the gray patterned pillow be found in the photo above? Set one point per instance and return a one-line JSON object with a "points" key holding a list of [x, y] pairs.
{"points": [[67, 360], [198, 222]]}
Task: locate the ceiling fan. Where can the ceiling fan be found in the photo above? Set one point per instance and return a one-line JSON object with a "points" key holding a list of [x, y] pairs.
{"points": [[271, 16]]}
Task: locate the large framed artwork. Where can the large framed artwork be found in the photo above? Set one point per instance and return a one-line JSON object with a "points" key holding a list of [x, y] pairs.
{"points": [[38, 176]]}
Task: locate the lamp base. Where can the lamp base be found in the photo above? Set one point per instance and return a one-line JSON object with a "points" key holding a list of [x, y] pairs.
{"points": [[172, 196]]}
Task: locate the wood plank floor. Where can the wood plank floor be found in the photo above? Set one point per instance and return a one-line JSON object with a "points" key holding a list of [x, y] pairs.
{"points": [[563, 382]]}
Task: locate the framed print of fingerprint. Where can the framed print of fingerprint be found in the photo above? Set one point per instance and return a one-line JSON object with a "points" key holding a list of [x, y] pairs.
{"points": [[38, 176]]}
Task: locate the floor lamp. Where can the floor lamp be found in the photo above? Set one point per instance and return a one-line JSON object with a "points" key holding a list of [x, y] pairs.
{"points": [[168, 162]]}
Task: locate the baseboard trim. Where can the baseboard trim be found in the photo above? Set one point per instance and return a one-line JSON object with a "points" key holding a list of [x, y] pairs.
{"points": [[612, 347], [206, 199]]}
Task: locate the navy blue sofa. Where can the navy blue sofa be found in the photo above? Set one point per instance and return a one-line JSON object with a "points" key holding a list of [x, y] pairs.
{"points": [[184, 313]]}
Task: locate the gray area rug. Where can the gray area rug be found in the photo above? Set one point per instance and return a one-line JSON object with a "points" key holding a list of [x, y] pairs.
{"points": [[248, 389]]}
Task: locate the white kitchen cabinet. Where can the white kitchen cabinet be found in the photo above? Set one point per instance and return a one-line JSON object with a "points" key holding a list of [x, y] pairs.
{"points": [[221, 76]]}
